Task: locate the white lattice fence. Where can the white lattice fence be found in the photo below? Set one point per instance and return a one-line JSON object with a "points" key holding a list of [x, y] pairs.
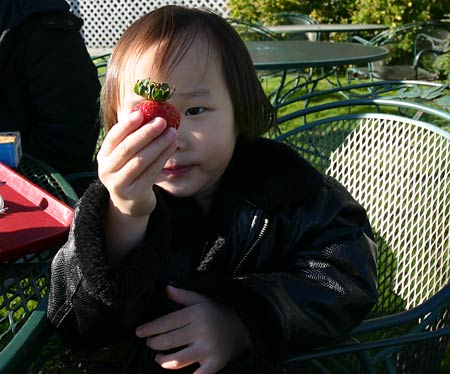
{"points": [[105, 20]]}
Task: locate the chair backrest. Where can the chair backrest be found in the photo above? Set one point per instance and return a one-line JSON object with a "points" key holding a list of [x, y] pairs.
{"points": [[251, 31], [428, 45], [424, 101], [396, 34], [434, 38], [391, 40], [105, 21], [411, 90], [294, 18], [398, 169]]}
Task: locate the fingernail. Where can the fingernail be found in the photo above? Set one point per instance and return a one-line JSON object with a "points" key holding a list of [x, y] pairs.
{"points": [[173, 283], [139, 332]]}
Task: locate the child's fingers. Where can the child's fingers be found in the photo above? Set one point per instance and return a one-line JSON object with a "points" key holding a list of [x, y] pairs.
{"points": [[143, 167], [132, 144], [170, 340], [119, 131], [164, 324], [208, 367], [177, 360], [184, 297], [137, 140]]}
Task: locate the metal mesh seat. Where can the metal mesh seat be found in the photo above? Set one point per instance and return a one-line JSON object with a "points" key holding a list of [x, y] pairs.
{"points": [[398, 169]]}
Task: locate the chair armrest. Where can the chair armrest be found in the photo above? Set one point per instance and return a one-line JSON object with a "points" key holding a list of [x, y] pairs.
{"points": [[346, 348], [428, 310], [419, 55], [359, 39]]}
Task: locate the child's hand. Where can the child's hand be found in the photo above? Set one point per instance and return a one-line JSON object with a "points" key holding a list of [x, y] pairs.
{"points": [[131, 157], [204, 331]]}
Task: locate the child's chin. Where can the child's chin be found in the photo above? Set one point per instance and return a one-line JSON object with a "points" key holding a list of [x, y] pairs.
{"points": [[175, 190]]}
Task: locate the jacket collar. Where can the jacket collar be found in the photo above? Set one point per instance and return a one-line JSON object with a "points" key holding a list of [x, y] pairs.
{"points": [[270, 174]]}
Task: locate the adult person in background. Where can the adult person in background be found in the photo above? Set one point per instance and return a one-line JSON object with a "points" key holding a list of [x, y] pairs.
{"points": [[49, 87]]}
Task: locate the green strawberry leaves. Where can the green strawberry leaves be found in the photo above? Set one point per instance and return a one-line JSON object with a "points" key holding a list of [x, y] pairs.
{"points": [[151, 90]]}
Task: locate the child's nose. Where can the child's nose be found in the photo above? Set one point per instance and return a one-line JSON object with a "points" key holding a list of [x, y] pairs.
{"points": [[182, 136]]}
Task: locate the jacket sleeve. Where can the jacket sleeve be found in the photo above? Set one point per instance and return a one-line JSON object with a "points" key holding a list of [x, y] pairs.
{"points": [[63, 91], [91, 301], [321, 282]]}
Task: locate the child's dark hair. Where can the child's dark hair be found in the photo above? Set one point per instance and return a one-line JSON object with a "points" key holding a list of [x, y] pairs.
{"points": [[173, 29]]}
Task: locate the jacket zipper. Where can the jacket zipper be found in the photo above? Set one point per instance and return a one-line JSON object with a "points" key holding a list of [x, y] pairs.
{"points": [[253, 246]]}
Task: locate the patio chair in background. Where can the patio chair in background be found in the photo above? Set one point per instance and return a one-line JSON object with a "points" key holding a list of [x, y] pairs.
{"points": [[251, 30], [398, 169], [387, 39], [428, 45], [294, 18]]}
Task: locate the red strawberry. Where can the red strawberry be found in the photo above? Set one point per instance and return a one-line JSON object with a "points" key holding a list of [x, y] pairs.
{"points": [[156, 105]]}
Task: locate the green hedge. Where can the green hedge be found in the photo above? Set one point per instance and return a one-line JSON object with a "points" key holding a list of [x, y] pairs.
{"points": [[389, 12]]}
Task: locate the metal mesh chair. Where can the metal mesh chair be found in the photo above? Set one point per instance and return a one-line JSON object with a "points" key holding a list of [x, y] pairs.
{"points": [[428, 46], [398, 169], [252, 31], [294, 18], [388, 39], [24, 282]]}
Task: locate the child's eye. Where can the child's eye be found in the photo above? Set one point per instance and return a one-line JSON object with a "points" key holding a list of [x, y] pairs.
{"points": [[194, 111]]}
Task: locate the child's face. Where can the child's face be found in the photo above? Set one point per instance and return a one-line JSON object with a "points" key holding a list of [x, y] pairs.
{"points": [[207, 135]]}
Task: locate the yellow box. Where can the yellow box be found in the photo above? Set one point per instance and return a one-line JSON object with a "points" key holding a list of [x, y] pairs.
{"points": [[10, 148]]}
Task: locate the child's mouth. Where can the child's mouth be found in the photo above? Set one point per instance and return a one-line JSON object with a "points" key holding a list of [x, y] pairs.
{"points": [[176, 171]]}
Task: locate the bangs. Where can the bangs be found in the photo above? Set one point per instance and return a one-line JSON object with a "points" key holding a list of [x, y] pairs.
{"points": [[171, 34]]}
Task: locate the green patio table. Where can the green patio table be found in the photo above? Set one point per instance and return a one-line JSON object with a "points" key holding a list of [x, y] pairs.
{"points": [[351, 28], [287, 55], [294, 54]]}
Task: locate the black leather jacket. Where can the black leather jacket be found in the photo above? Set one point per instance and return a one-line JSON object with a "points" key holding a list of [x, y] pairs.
{"points": [[286, 247]]}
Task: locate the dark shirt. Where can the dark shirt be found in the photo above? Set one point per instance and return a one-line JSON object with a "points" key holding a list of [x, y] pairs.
{"points": [[49, 89]]}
